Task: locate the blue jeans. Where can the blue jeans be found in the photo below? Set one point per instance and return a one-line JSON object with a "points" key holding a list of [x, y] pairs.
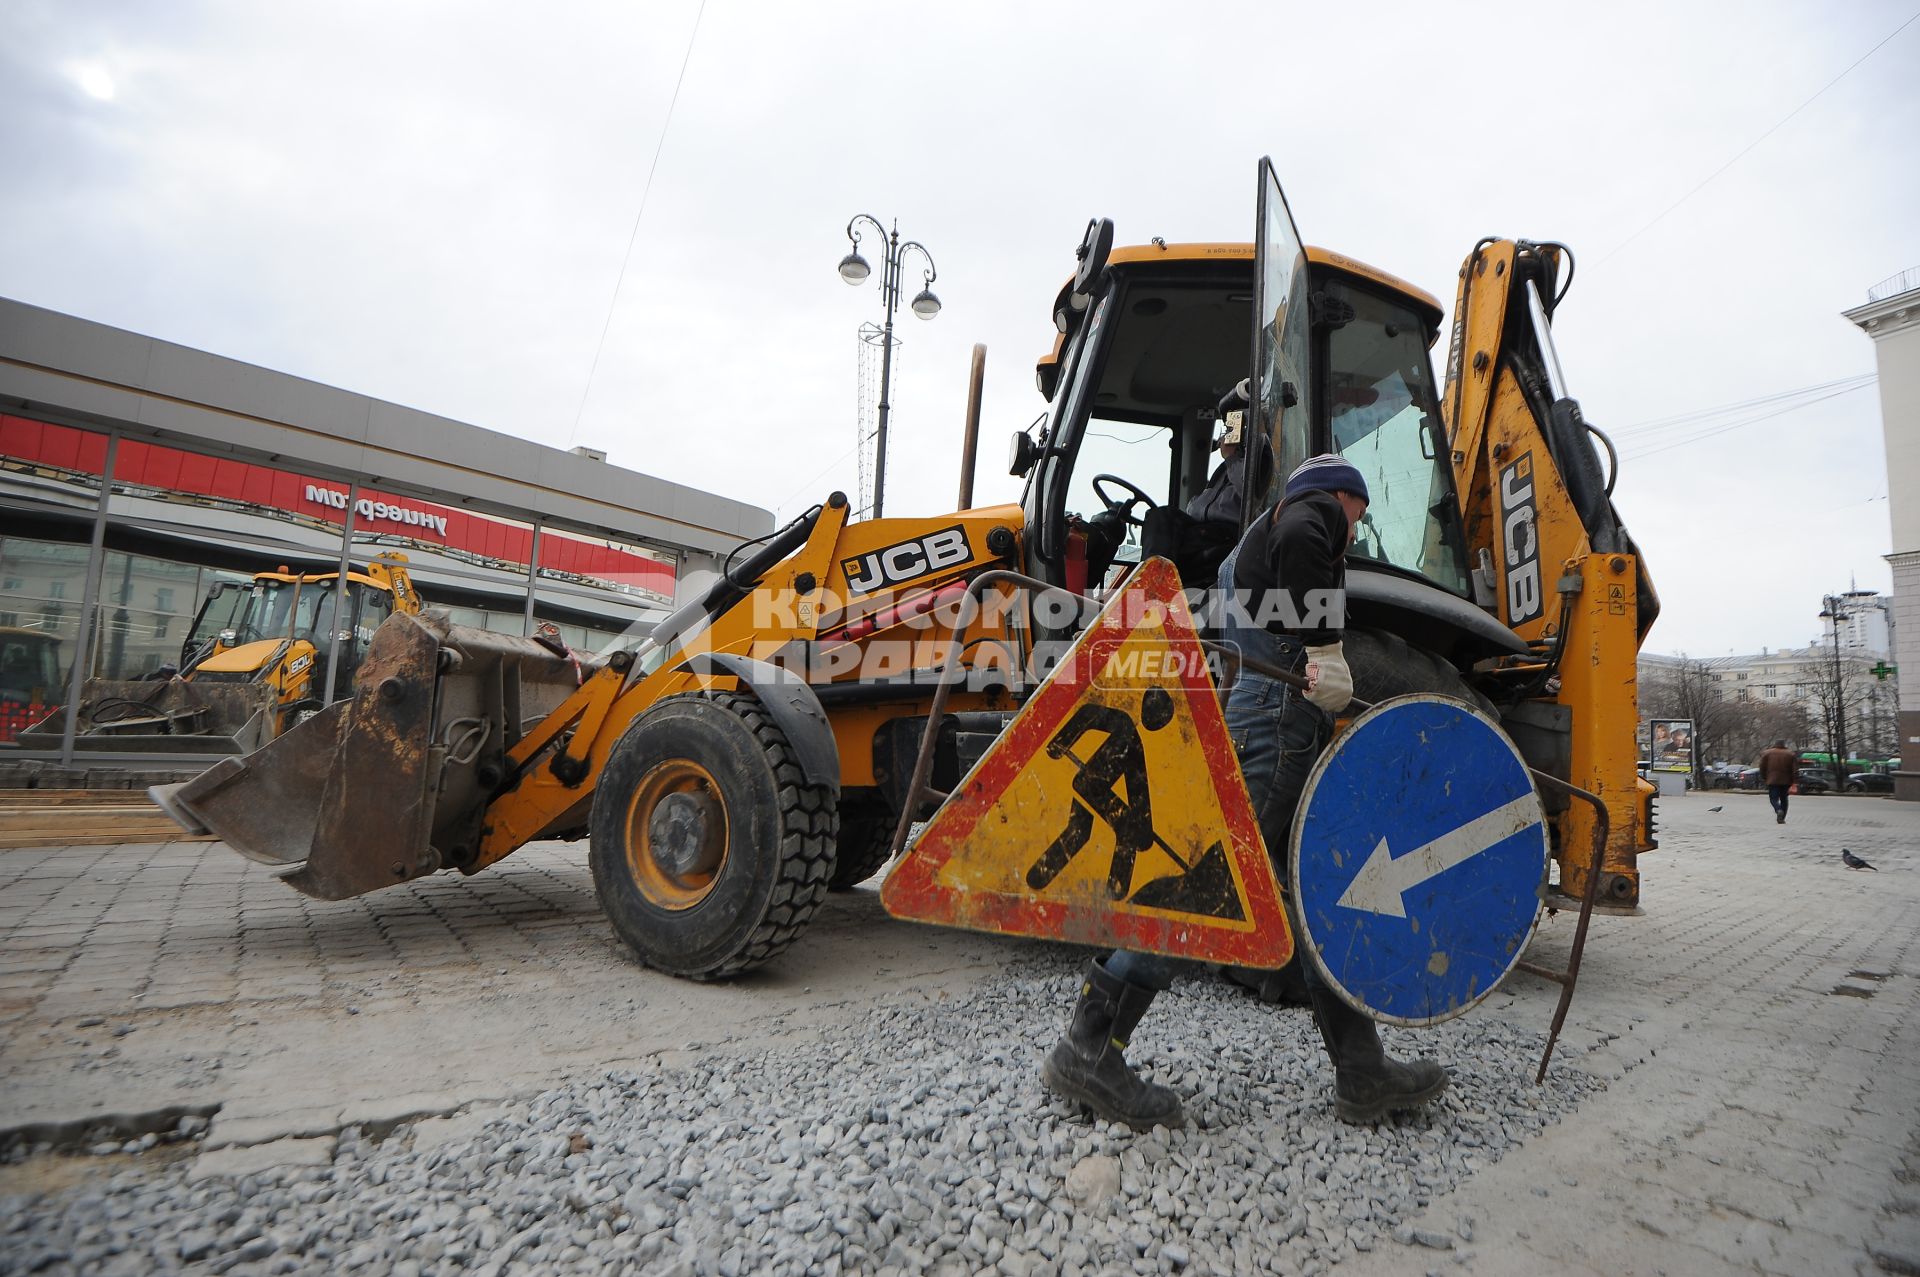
{"points": [[1278, 735], [1777, 795]]}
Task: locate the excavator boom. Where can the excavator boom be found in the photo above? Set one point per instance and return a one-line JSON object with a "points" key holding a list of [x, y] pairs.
{"points": [[1556, 562]]}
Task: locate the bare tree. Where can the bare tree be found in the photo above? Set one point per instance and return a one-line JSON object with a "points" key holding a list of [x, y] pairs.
{"points": [[1879, 718], [1754, 725], [1688, 689], [1843, 700]]}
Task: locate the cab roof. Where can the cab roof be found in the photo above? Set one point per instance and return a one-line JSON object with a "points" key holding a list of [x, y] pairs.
{"points": [[1134, 254], [1195, 330], [1315, 256]]}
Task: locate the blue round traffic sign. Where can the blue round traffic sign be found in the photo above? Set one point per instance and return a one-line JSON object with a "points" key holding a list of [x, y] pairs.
{"points": [[1420, 858]]}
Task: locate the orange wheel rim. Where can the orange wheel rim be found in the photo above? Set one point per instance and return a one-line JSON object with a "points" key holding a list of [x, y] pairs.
{"points": [[676, 834]]}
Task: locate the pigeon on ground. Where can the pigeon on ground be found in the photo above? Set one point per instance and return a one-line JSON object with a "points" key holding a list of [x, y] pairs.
{"points": [[1852, 861], [1713, 809]]}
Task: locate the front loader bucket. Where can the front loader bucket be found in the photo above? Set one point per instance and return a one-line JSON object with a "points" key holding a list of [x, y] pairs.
{"points": [[390, 785], [171, 716], [266, 805]]}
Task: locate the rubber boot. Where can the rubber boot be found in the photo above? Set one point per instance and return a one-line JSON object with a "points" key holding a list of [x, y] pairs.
{"points": [[1088, 1064], [1285, 987], [1367, 1082]]}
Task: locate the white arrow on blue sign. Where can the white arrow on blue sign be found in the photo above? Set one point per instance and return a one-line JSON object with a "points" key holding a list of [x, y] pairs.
{"points": [[1419, 858]]}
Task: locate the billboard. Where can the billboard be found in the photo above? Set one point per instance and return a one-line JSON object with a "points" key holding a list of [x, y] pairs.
{"points": [[1670, 748]]}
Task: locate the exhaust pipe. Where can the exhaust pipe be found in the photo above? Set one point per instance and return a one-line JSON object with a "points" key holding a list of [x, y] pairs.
{"points": [[970, 442]]}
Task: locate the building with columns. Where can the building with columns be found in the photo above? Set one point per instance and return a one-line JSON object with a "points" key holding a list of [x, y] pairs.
{"points": [[1891, 317]]}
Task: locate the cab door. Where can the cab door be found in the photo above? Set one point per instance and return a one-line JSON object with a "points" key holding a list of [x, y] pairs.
{"points": [[371, 607], [223, 613], [1281, 393]]}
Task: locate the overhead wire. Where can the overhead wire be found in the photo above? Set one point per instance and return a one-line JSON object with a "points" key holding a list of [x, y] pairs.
{"points": [[1852, 503], [1698, 415], [825, 470], [1738, 156], [634, 235], [1739, 424]]}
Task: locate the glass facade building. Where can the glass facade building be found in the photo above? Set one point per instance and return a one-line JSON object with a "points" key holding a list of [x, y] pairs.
{"points": [[114, 532]]}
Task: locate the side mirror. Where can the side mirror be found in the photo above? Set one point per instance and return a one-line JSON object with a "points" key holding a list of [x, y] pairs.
{"points": [[1022, 455], [1095, 245]]}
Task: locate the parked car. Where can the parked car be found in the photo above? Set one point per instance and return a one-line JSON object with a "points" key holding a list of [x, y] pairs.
{"points": [[1721, 775], [1815, 780], [1870, 783], [1749, 778]]}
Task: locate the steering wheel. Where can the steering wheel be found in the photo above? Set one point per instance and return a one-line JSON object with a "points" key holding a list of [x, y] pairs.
{"points": [[1123, 510]]}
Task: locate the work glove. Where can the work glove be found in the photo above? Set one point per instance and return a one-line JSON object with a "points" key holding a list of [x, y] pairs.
{"points": [[1331, 682]]}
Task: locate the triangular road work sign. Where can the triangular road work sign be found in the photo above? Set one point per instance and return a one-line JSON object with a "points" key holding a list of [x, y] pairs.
{"points": [[1111, 811]]}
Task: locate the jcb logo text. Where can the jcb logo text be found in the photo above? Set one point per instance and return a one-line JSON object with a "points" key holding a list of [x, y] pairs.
{"points": [[910, 559], [1520, 540]]}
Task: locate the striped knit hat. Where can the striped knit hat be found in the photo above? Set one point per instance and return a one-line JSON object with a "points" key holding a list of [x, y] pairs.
{"points": [[1328, 472]]}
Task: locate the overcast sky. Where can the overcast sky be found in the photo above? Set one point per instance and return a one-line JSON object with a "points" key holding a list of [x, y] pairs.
{"points": [[431, 202]]}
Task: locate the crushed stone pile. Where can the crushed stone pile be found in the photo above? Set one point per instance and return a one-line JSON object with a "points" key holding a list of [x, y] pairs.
{"points": [[917, 1140]]}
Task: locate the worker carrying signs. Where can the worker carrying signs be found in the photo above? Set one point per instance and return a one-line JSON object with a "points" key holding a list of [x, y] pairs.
{"points": [[1299, 547]]}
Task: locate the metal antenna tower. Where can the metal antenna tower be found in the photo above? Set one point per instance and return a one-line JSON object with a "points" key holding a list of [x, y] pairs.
{"points": [[866, 424]]}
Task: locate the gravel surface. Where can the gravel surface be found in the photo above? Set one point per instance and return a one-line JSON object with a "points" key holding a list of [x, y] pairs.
{"points": [[919, 1140]]}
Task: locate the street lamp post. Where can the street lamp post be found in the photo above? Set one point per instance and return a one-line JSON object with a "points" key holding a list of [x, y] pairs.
{"points": [[1837, 733], [854, 269]]}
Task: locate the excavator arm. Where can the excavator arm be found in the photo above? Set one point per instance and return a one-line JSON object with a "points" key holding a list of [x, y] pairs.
{"points": [[459, 746], [1554, 559]]}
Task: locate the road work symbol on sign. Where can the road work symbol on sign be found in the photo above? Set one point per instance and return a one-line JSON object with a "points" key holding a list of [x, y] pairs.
{"points": [[1111, 811], [1205, 886], [1420, 856]]}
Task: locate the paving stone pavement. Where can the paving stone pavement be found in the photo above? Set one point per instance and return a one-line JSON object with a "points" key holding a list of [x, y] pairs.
{"points": [[1763, 1107], [1762, 1112], [139, 977]]}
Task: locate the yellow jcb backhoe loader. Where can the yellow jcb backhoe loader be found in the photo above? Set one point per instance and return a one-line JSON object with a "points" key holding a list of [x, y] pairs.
{"points": [[252, 667], [754, 752]]}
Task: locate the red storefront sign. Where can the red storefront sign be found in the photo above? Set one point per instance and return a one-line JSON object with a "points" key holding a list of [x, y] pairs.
{"points": [[173, 471]]}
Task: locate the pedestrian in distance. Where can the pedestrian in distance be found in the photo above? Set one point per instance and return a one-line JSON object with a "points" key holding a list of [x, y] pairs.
{"points": [[1299, 548], [1779, 766]]}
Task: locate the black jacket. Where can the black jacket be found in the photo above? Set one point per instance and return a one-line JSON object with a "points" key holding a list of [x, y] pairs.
{"points": [[1301, 548], [1220, 499]]}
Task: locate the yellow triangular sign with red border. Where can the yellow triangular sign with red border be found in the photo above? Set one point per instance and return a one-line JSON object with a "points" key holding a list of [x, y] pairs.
{"points": [[1111, 811]]}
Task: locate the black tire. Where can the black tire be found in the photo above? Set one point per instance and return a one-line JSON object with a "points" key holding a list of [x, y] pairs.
{"points": [[748, 844], [866, 838], [1385, 665]]}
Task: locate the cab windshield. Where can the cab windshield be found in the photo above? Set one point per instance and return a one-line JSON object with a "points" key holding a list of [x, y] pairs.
{"points": [[281, 609], [1384, 417]]}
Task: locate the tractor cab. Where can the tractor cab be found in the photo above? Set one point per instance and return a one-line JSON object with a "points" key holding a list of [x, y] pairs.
{"points": [[1136, 384], [277, 609], [1175, 417]]}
